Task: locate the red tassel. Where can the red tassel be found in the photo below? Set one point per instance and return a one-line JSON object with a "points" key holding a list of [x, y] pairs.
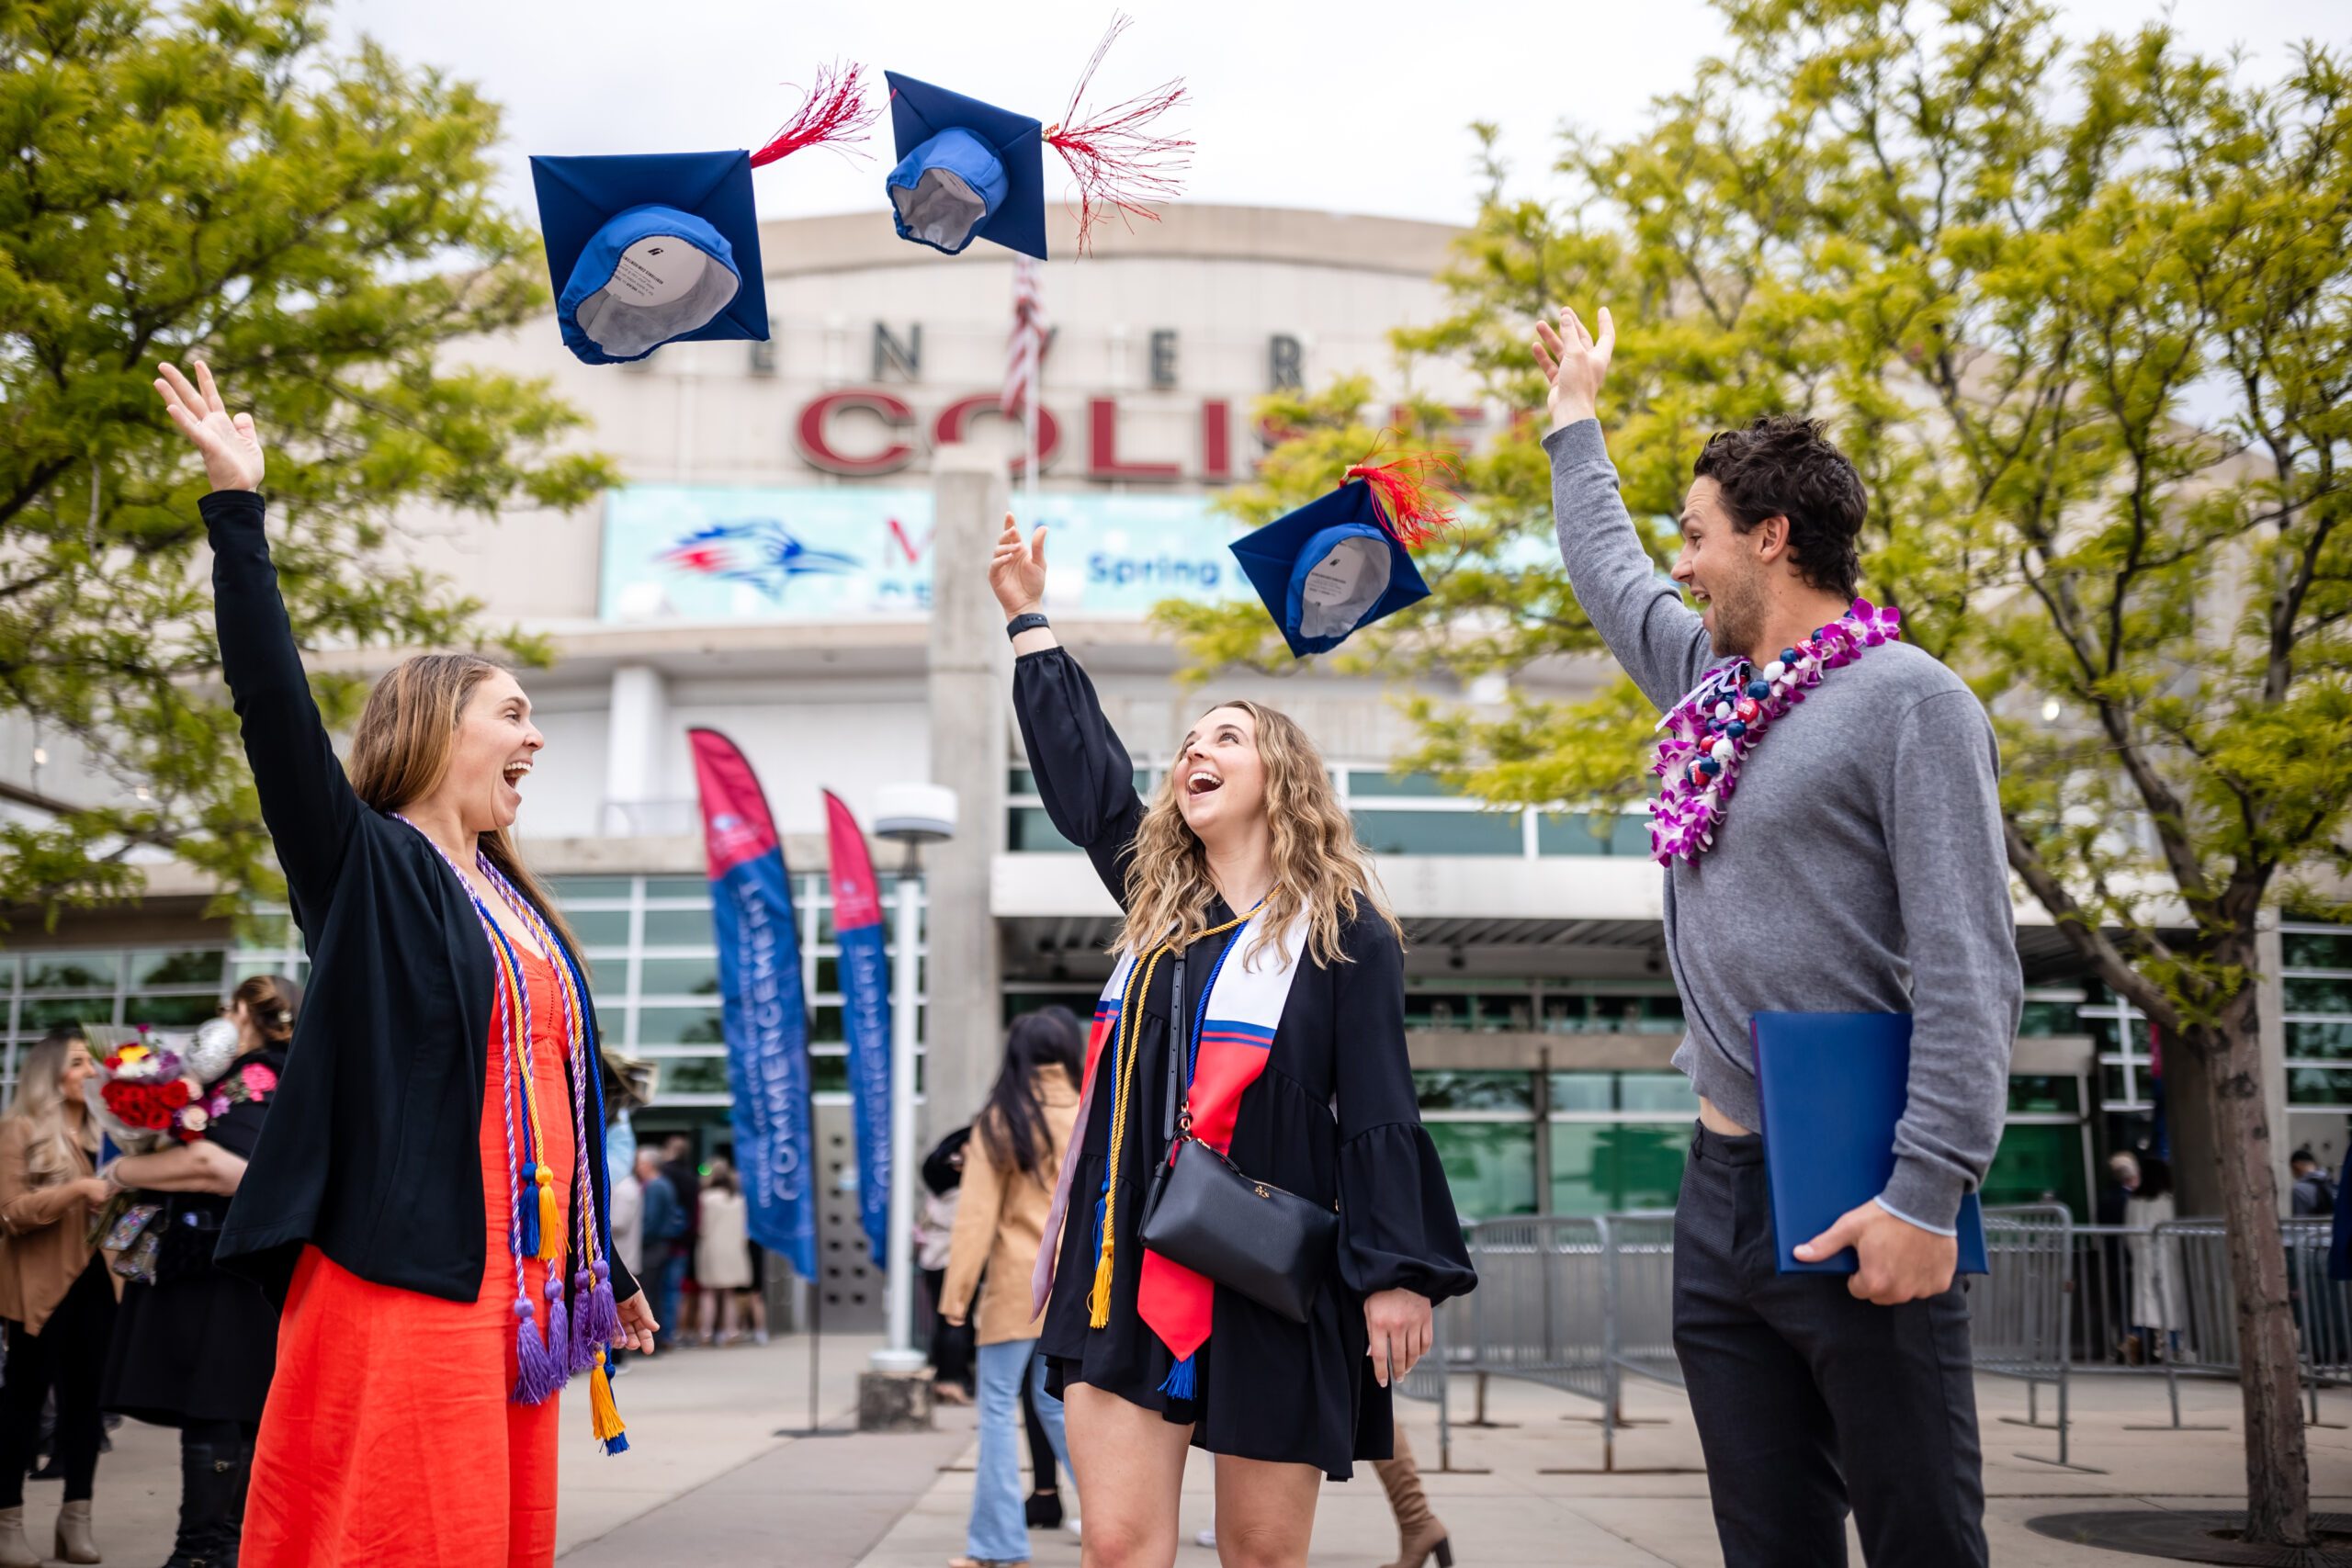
{"points": [[1118, 165], [835, 111], [1407, 488]]}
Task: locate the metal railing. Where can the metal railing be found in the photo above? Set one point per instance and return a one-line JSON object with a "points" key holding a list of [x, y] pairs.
{"points": [[1580, 1304]]}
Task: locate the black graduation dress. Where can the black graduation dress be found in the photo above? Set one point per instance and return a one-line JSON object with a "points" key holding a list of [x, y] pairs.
{"points": [[200, 1343], [1332, 1117]]}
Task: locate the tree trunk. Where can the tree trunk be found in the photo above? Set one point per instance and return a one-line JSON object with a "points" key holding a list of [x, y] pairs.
{"points": [[2278, 1471]]}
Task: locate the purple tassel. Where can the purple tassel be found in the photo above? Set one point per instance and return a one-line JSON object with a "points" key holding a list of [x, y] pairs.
{"points": [[603, 1312], [596, 1316], [538, 1374], [558, 1331]]}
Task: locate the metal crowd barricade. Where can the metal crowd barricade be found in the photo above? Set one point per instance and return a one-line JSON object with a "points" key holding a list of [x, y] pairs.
{"points": [[2322, 1307], [1540, 1311], [2200, 1301], [1430, 1378], [2018, 1325]]}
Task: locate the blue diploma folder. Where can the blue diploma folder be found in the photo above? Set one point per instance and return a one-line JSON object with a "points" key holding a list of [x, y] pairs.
{"points": [[1833, 1086]]}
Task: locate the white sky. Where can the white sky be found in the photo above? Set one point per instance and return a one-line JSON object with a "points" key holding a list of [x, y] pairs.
{"points": [[1354, 107]]}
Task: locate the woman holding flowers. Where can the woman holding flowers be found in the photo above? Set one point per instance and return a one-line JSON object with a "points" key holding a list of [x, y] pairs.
{"points": [[56, 1298], [428, 1193], [196, 1343]]}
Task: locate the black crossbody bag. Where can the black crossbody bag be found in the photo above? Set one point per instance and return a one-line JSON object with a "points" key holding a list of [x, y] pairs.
{"points": [[1272, 1246]]}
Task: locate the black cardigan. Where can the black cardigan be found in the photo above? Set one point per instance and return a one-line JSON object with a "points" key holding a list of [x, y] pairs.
{"points": [[372, 1148]]}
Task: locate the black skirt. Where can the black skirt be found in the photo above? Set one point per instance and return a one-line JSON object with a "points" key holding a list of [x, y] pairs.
{"points": [[1332, 1117], [197, 1347]]}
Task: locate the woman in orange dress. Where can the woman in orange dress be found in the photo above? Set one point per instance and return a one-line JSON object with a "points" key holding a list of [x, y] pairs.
{"points": [[428, 1195]]}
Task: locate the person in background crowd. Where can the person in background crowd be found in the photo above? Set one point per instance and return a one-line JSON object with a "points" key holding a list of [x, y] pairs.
{"points": [[2159, 1305], [427, 1194], [1044, 1507], [660, 1222], [951, 1343], [1018, 1141], [2315, 1194], [57, 1296], [2113, 1296], [685, 1184], [722, 1261], [196, 1348], [628, 1220]]}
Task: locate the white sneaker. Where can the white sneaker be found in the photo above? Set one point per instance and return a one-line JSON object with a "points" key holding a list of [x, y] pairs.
{"points": [[1071, 1525], [1206, 1538]]}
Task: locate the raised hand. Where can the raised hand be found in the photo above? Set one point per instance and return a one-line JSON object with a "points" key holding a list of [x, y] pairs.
{"points": [[230, 445], [1574, 363], [1017, 573]]}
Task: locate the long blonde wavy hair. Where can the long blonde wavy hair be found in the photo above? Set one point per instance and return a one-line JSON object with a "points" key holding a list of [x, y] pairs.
{"points": [[401, 751], [1319, 866], [40, 1105]]}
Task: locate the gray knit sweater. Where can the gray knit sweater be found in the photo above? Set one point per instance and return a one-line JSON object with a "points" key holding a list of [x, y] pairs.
{"points": [[1859, 868]]}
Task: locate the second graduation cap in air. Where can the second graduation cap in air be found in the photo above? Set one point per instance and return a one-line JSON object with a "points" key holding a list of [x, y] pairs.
{"points": [[645, 249], [969, 170], [1341, 562]]}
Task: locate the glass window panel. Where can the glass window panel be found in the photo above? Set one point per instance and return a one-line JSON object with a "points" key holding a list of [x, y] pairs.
{"points": [[567, 888], [828, 976], [1606, 1166], [1489, 1165], [2319, 996], [2043, 1020], [292, 968], [2316, 949], [2115, 1084], [39, 1015], [1438, 832], [1020, 781], [692, 1075], [680, 1026], [73, 971], [1566, 1015], [2318, 1086], [2045, 1092], [8, 970], [677, 887], [1028, 831], [1657, 1091], [2039, 1164], [825, 1026], [1437, 1010], [2329, 1042], [276, 931], [599, 928], [172, 1012], [678, 927], [1499, 1011], [1363, 780], [1637, 1015], [1474, 1090], [677, 976], [1592, 833], [195, 966], [1583, 1091]]}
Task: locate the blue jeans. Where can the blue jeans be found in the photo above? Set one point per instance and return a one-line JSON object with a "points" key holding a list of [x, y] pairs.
{"points": [[664, 1289], [1000, 1529]]}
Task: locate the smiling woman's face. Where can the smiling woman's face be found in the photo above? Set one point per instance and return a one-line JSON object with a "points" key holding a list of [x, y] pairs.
{"points": [[492, 754], [1220, 778]]}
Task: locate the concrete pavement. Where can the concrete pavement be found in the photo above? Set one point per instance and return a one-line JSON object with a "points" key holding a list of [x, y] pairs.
{"points": [[710, 1483]]}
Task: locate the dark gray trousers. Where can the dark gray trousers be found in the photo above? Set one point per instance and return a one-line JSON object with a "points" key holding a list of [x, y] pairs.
{"points": [[1809, 1401]]}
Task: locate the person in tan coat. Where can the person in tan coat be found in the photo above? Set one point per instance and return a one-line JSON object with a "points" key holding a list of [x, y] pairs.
{"points": [[57, 1296], [1018, 1142]]}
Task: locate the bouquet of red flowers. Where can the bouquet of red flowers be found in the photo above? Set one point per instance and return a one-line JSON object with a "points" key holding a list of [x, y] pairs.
{"points": [[147, 1095]]}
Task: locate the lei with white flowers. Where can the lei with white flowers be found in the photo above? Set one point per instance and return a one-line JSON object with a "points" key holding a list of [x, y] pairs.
{"points": [[1710, 732]]}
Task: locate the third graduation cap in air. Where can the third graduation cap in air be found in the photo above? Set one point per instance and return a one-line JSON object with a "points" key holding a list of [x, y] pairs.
{"points": [[1339, 562], [652, 248], [969, 170]]}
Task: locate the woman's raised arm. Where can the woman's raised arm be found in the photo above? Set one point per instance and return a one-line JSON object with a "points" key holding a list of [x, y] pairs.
{"points": [[306, 801]]}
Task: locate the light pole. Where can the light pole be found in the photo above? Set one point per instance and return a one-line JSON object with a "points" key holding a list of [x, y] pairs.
{"points": [[913, 816]]}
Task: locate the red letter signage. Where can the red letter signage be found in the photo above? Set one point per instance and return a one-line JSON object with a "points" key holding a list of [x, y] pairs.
{"points": [[816, 442], [1102, 448], [949, 426]]}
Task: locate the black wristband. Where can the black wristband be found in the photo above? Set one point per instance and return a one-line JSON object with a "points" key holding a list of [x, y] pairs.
{"points": [[1028, 622]]}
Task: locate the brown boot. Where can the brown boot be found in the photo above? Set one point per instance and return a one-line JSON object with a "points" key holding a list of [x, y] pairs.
{"points": [[15, 1552], [75, 1541], [1418, 1532]]}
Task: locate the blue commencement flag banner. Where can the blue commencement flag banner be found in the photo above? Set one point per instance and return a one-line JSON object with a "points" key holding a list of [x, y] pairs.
{"points": [[866, 1016], [765, 1009]]}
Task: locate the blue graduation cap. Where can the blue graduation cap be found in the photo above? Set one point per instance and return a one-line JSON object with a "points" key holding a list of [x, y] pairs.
{"points": [[1339, 562], [645, 249], [969, 170]]}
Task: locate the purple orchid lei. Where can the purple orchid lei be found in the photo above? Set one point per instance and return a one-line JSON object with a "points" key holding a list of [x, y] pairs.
{"points": [[1710, 732]]}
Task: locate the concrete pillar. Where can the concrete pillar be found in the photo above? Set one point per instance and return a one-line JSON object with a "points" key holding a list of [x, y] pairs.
{"points": [[634, 745], [969, 692]]}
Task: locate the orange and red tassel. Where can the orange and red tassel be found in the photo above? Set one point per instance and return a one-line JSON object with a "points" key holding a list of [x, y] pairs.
{"points": [[1120, 166], [1414, 492], [835, 111]]}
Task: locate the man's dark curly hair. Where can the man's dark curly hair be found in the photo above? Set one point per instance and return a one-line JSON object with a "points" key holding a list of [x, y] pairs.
{"points": [[1781, 466]]}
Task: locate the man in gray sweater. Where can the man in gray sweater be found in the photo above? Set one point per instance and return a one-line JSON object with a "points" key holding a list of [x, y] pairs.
{"points": [[1859, 869]]}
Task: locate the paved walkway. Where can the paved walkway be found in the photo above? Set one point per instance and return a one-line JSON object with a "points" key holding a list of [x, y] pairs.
{"points": [[710, 1483]]}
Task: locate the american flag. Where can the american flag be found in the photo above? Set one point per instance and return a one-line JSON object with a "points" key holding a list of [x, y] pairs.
{"points": [[1026, 347]]}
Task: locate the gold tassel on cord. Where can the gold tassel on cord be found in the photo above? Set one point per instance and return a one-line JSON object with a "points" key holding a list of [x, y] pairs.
{"points": [[551, 1220], [604, 1416]]}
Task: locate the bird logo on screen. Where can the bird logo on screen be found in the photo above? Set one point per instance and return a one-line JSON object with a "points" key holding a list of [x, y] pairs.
{"points": [[763, 554]]}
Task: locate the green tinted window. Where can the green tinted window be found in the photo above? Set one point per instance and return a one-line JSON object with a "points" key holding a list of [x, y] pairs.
{"points": [[2319, 996], [599, 928], [2044, 1092], [678, 927], [677, 976], [677, 887], [2316, 949], [158, 971], [1489, 1165], [692, 1075], [1476, 1090], [1362, 781], [1438, 832], [680, 1026], [2318, 1086], [1603, 1168], [172, 1012], [2038, 1164], [2326, 1042], [73, 971], [1028, 831], [1592, 833], [2043, 1020], [569, 890]]}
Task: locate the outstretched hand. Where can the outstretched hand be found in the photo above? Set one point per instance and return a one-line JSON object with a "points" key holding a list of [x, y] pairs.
{"points": [[1017, 573], [230, 445], [1574, 363]]}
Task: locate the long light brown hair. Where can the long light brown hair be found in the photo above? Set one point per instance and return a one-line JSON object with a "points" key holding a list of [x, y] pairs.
{"points": [[1319, 866], [400, 753], [41, 1104]]}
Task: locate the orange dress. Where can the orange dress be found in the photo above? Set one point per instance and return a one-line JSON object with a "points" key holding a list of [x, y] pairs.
{"points": [[389, 1437]]}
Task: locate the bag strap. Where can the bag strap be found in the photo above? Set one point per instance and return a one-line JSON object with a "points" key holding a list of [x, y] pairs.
{"points": [[1179, 1046]]}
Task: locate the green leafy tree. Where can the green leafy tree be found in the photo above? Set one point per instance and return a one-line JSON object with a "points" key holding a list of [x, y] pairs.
{"points": [[2083, 317], [210, 181]]}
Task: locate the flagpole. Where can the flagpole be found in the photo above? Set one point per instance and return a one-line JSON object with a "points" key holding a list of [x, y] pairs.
{"points": [[1036, 416]]}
